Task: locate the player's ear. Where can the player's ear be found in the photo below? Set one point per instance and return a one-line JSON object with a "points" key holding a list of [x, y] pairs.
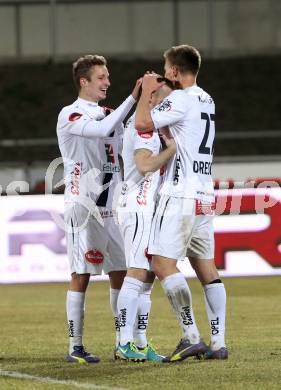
{"points": [[83, 82], [175, 71]]}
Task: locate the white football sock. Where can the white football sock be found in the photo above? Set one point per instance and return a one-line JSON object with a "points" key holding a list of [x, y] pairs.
{"points": [[127, 305], [215, 299], [113, 297], [141, 323], [179, 295], [75, 309]]}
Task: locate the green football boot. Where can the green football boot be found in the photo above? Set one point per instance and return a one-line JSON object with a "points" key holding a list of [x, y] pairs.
{"points": [[151, 353], [130, 352]]}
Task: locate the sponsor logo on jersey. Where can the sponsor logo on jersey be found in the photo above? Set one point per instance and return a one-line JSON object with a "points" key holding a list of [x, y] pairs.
{"points": [[145, 135], [106, 213], [109, 153], [203, 167], [215, 326], [110, 168], [143, 191], [75, 116], [75, 177], [204, 208], [186, 316], [147, 255], [166, 105], [177, 170], [94, 256]]}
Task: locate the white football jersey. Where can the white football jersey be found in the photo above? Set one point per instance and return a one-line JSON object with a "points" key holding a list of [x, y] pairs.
{"points": [[190, 115], [91, 167], [138, 193]]}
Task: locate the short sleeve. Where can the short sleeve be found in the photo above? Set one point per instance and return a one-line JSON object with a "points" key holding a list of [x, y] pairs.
{"points": [[171, 110], [147, 141]]}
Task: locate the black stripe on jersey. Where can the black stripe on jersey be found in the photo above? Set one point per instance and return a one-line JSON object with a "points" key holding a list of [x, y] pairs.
{"points": [[102, 199], [162, 216], [136, 228], [72, 230]]}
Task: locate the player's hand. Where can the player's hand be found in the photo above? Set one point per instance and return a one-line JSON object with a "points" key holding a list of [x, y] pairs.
{"points": [[150, 82], [168, 139], [165, 131], [136, 90]]}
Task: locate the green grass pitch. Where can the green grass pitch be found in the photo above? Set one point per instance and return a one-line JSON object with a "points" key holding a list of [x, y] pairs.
{"points": [[33, 340]]}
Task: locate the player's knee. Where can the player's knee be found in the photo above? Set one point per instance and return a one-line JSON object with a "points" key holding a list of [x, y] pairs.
{"points": [[79, 282], [116, 279], [164, 268]]}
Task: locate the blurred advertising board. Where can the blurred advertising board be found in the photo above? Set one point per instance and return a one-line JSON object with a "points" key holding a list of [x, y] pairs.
{"points": [[247, 231]]}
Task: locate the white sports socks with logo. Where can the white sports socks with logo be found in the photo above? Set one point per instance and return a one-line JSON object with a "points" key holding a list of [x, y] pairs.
{"points": [[215, 299], [127, 305], [179, 295], [141, 323], [75, 309], [113, 298]]}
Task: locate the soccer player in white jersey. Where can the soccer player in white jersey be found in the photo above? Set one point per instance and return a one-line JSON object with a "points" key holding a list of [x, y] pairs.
{"points": [[89, 138], [136, 204], [182, 224]]}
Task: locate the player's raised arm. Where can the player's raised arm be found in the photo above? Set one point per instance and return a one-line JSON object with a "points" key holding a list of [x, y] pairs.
{"points": [[143, 121], [80, 124]]}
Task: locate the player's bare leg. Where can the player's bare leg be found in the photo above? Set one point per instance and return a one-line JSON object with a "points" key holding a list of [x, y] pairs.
{"points": [[215, 299], [79, 282], [75, 308], [179, 295]]}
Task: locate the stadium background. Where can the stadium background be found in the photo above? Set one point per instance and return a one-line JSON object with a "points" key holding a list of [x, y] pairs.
{"points": [[240, 42]]}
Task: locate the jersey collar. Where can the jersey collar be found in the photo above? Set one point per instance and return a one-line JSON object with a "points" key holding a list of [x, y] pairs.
{"points": [[86, 103]]}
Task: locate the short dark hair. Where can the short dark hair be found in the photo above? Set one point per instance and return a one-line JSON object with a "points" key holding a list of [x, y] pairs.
{"points": [[83, 65], [185, 57]]}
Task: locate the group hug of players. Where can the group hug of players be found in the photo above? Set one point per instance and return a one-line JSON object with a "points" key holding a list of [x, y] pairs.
{"points": [[138, 226]]}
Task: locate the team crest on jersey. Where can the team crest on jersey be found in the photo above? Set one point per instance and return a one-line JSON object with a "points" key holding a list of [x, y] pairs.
{"points": [[145, 135], [75, 116], [94, 256], [166, 105]]}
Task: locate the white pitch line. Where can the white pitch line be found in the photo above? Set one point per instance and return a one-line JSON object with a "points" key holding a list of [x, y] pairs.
{"points": [[19, 375]]}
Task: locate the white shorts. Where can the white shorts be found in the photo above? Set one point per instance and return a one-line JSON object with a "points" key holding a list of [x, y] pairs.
{"points": [[182, 227], [94, 248], [135, 229]]}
